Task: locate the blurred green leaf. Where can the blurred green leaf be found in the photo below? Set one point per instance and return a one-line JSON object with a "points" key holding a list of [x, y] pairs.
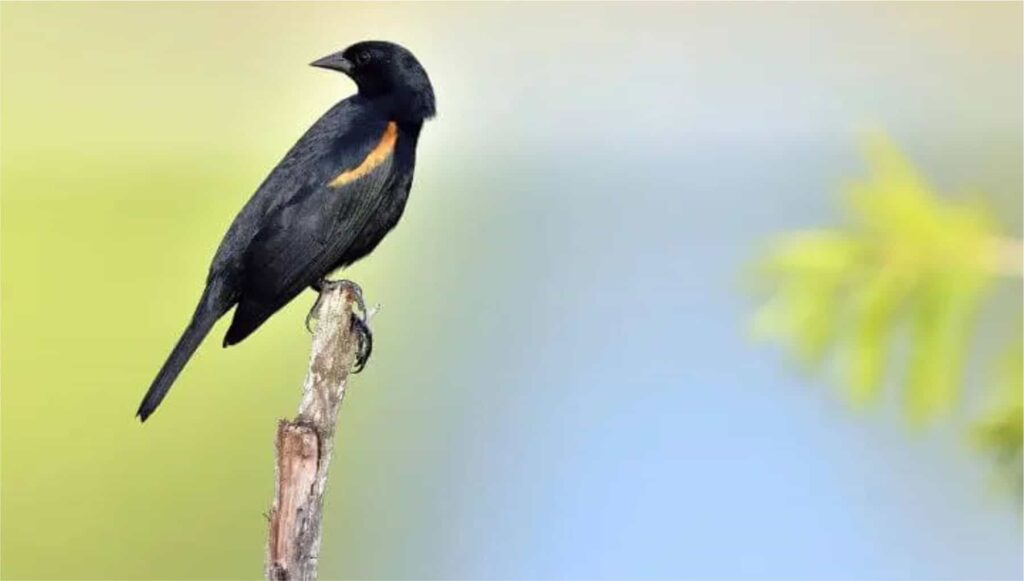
{"points": [[821, 253], [809, 270], [875, 305], [942, 316]]}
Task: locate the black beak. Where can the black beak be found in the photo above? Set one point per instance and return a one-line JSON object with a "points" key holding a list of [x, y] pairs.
{"points": [[335, 62]]}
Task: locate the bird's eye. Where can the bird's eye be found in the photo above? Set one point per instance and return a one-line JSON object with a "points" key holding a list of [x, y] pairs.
{"points": [[362, 58]]}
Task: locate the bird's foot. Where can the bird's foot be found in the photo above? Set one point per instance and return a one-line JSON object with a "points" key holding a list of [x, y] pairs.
{"points": [[360, 320], [357, 291], [324, 284]]}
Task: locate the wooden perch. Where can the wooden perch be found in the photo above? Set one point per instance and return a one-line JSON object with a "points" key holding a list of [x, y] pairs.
{"points": [[305, 445]]}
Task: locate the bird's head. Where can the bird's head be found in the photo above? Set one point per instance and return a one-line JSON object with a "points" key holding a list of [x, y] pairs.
{"points": [[388, 73]]}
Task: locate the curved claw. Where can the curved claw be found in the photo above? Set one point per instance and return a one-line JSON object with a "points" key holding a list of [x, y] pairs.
{"points": [[313, 313], [365, 338]]}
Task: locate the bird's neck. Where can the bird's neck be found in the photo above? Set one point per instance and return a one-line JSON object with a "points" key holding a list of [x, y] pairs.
{"points": [[407, 107]]}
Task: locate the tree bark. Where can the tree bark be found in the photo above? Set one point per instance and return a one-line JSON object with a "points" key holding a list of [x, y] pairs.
{"points": [[305, 444]]}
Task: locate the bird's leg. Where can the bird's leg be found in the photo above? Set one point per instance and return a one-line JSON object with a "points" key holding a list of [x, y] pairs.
{"points": [[360, 323]]}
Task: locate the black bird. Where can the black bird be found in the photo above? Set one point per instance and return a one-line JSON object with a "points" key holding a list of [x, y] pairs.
{"points": [[328, 203]]}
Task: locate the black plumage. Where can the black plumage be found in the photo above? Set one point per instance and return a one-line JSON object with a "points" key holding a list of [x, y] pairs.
{"points": [[335, 195]]}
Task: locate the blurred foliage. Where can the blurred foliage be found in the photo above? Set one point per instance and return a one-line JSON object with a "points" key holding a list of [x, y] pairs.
{"points": [[908, 274], [1001, 430]]}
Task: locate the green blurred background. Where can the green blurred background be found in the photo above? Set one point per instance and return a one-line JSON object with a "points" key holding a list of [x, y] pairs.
{"points": [[561, 385]]}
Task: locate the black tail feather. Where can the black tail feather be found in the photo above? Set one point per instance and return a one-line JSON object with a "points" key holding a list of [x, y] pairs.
{"points": [[207, 313], [249, 315]]}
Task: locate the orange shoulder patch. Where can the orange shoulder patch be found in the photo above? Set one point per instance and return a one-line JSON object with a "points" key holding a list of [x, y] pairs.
{"points": [[377, 155]]}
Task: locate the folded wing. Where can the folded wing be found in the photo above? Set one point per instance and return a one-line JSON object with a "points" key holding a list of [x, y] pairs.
{"points": [[312, 233]]}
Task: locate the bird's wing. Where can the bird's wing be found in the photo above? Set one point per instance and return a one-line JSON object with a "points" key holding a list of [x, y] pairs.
{"points": [[305, 237], [342, 137]]}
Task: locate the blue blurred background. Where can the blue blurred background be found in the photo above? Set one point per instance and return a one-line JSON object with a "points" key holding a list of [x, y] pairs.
{"points": [[563, 384]]}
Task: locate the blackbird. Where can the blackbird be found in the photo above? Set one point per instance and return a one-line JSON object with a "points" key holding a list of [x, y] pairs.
{"points": [[339, 190]]}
